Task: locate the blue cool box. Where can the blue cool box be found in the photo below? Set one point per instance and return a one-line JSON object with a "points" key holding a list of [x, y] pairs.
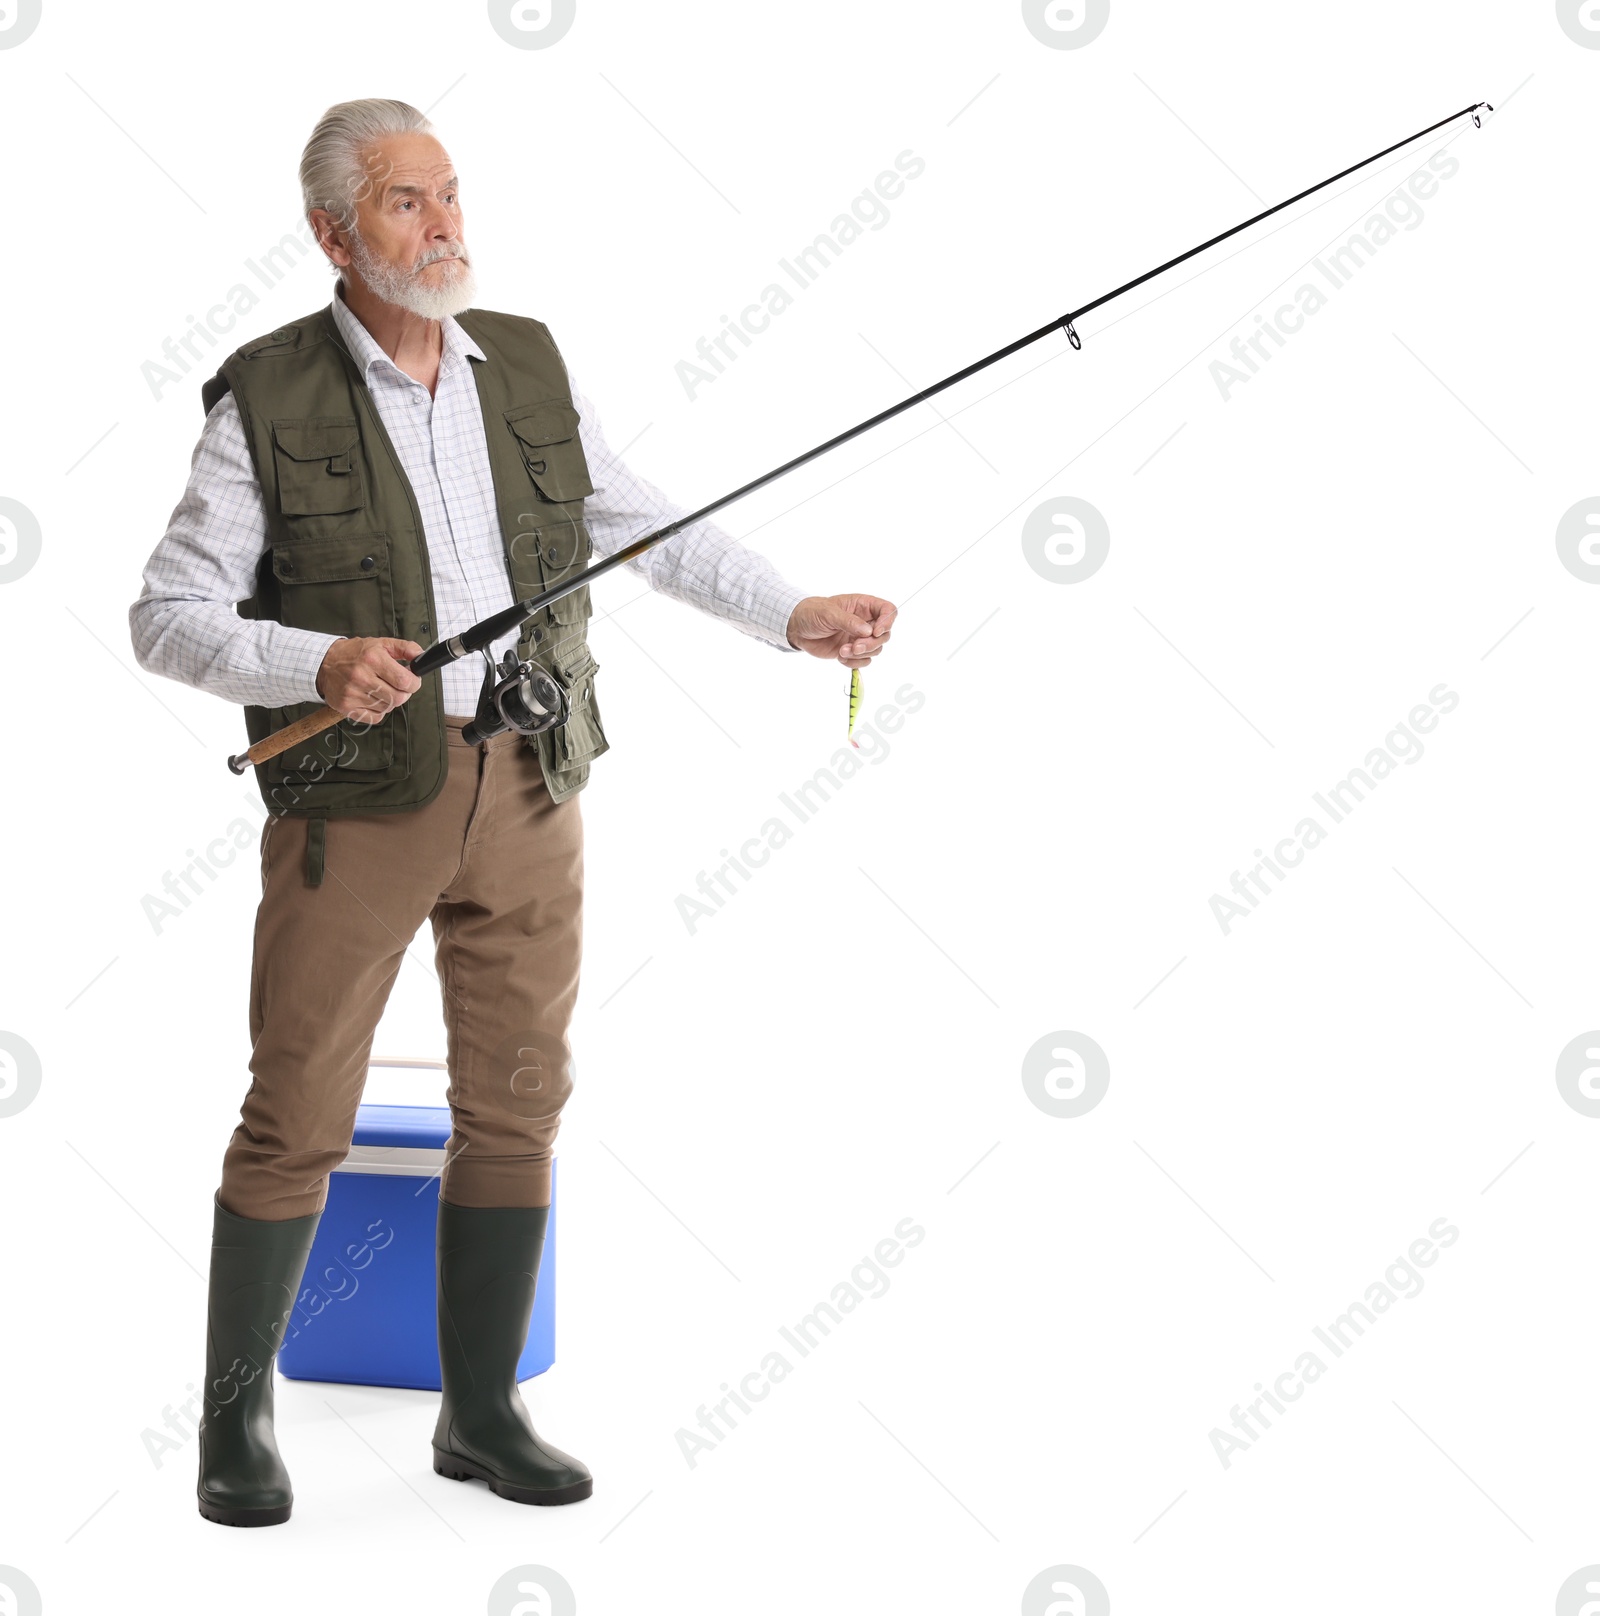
{"points": [[366, 1311]]}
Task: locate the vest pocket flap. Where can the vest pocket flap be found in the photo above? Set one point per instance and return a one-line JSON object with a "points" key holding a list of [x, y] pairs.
{"points": [[581, 738], [554, 422], [331, 438], [547, 434], [325, 561], [318, 462], [561, 549]]}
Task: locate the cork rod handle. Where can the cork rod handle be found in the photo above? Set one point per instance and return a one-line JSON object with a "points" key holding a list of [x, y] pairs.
{"points": [[290, 735]]}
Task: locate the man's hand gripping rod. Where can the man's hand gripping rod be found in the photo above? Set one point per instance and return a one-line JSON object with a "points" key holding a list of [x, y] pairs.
{"points": [[490, 629]]}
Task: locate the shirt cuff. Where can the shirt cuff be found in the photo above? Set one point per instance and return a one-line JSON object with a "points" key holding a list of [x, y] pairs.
{"points": [[771, 619], [297, 655]]}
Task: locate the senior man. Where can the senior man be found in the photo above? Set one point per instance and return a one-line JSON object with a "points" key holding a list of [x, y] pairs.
{"points": [[372, 477]]}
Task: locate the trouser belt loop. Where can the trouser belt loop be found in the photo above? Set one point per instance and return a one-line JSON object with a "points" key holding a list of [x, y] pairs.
{"points": [[316, 843]]}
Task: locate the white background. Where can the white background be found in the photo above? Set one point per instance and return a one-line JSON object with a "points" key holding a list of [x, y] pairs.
{"points": [[1372, 1049]]}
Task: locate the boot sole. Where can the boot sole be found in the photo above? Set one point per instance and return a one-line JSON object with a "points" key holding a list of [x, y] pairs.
{"points": [[457, 1469], [271, 1515]]}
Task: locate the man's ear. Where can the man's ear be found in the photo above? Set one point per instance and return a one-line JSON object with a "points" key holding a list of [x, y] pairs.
{"points": [[331, 237]]}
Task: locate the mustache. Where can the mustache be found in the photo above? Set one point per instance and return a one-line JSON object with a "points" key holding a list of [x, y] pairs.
{"points": [[438, 254]]}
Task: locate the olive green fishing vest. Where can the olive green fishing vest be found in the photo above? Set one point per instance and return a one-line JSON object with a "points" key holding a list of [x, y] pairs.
{"points": [[346, 552]]}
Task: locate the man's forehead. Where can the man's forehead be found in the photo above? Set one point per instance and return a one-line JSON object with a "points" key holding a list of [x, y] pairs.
{"points": [[406, 164]]}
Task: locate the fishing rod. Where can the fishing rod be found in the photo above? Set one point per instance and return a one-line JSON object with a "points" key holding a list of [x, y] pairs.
{"points": [[526, 698]]}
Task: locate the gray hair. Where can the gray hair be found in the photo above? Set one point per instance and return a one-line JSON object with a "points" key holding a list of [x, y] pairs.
{"points": [[332, 175]]}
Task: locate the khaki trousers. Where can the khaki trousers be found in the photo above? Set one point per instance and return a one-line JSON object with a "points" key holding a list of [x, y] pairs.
{"points": [[497, 867]]}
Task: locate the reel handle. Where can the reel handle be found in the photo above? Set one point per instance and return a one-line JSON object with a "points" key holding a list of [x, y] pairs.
{"points": [[290, 735]]}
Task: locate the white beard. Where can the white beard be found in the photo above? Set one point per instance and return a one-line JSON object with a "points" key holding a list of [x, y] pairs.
{"points": [[405, 288]]}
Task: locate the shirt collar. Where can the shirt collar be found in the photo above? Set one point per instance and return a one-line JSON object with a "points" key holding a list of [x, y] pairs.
{"points": [[457, 345]]}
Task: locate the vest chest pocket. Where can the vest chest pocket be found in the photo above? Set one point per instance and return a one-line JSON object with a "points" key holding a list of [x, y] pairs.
{"points": [[336, 586], [547, 435], [318, 462]]}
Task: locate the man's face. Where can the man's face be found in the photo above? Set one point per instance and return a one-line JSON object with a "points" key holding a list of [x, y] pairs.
{"points": [[407, 244]]}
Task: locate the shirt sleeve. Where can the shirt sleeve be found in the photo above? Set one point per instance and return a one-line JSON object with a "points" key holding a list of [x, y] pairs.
{"points": [[184, 625], [702, 566]]}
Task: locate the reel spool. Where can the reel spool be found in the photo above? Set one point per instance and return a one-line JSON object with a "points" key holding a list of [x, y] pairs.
{"points": [[518, 695]]}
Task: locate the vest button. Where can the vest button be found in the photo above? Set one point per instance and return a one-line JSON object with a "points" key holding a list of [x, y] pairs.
{"points": [[282, 335], [422, 628], [286, 566], [367, 563]]}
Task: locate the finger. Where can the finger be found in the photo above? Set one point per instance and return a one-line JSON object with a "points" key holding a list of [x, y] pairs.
{"points": [[878, 612], [401, 677], [850, 615], [375, 704], [866, 648], [383, 669], [400, 653]]}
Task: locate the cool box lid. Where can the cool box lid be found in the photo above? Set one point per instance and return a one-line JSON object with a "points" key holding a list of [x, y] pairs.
{"points": [[424, 1126], [405, 1139]]}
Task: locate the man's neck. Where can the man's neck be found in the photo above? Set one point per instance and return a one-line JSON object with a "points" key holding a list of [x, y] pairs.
{"points": [[413, 343]]}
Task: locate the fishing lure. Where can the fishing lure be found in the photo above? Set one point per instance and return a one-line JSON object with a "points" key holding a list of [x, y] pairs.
{"points": [[855, 707]]}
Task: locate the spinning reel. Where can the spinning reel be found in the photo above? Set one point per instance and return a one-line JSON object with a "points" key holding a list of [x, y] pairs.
{"points": [[517, 695]]}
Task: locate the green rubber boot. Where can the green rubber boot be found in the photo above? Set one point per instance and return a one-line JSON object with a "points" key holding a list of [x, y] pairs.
{"points": [[256, 1267], [488, 1268]]}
